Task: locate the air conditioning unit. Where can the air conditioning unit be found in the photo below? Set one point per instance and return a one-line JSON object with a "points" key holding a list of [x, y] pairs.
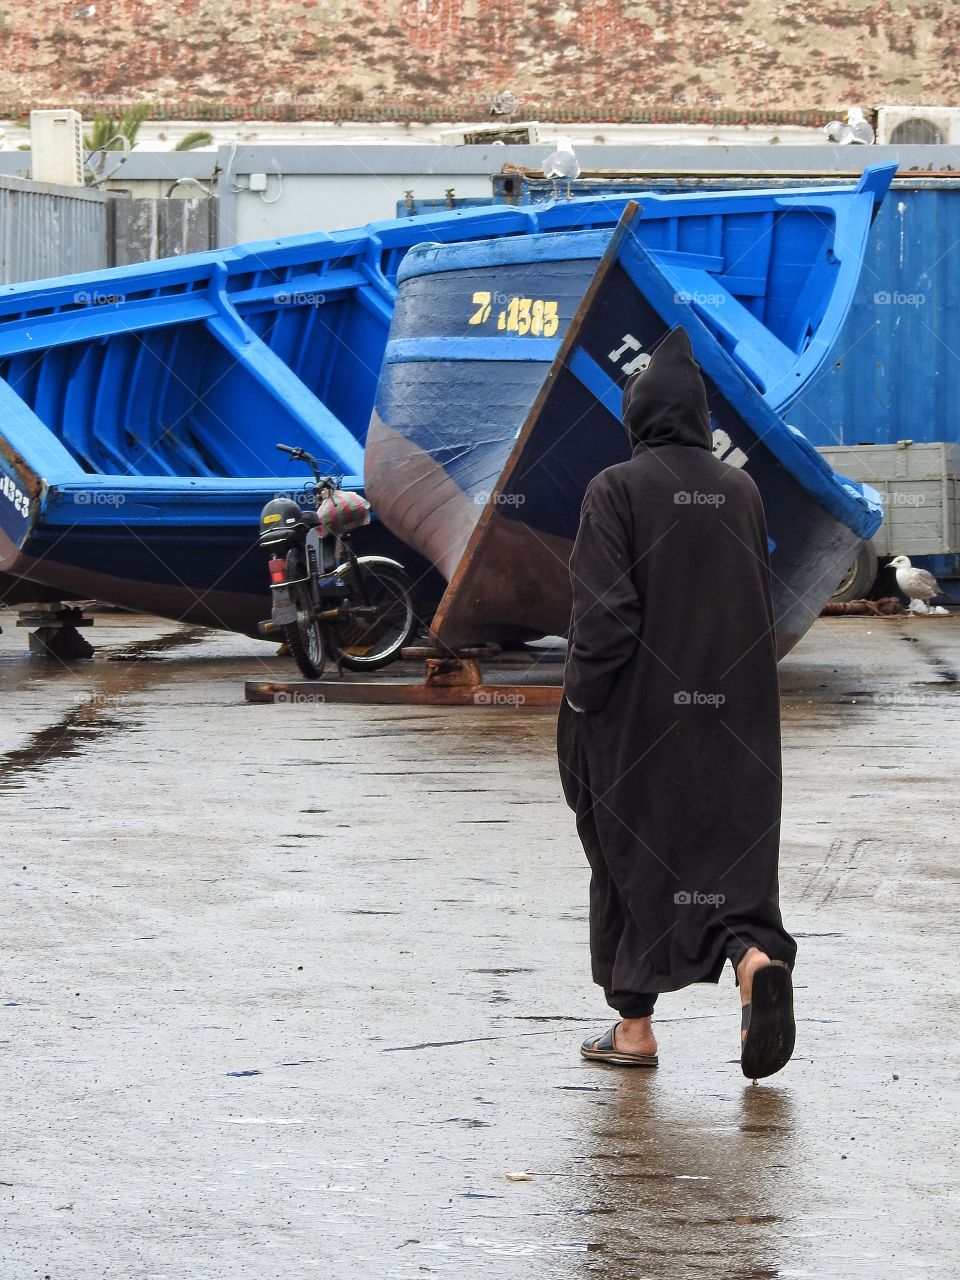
{"points": [[56, 147], [524, 134], [904, 126]]}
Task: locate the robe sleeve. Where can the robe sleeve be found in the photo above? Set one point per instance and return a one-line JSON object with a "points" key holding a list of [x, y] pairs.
{"points": [[607, 613]]}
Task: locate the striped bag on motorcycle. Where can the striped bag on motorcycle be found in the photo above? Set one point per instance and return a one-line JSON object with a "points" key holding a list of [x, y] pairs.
{"points": [[340, 511]]}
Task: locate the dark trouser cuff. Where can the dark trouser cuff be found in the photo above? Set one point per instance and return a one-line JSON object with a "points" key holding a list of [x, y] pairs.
{"points": [[631, 1004]]}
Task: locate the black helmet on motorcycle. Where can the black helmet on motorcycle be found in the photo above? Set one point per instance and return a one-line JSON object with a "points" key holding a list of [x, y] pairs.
{"points": [[281, 520]]}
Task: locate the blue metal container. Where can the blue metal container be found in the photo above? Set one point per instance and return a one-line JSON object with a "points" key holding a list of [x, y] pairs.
{"points": [[895, 371]]}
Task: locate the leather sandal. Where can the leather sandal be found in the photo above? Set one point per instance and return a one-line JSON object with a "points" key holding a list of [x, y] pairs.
{"points": [[605, 1049], [769, 1023]]}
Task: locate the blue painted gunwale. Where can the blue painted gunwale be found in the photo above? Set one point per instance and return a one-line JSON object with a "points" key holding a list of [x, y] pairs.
{"points": [[780, 354]]}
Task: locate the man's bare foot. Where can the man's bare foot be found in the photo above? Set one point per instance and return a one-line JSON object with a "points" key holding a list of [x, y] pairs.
{"points": [[635, 1035], [750, 962]]}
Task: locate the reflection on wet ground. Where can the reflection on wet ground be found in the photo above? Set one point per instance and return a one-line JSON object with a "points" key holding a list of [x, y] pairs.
{"points": [[680, 1197], [293, 990]]}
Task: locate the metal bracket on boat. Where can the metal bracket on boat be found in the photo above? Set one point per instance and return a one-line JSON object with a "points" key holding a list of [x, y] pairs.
{"points": [[451, 678], [56, 634]]}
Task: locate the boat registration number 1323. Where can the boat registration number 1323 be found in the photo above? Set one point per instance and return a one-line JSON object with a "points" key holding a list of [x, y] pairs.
{"points": [[538, 316], [14, 494]]}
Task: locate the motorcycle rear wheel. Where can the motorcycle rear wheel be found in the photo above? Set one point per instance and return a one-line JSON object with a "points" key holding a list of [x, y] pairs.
{"points": [[365, 644]]}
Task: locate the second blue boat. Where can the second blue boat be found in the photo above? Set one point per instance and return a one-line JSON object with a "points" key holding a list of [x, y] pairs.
{"points": [[500, 395]]}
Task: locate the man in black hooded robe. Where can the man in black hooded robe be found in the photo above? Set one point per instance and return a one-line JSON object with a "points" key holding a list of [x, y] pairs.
{"points": [[669, 732]]}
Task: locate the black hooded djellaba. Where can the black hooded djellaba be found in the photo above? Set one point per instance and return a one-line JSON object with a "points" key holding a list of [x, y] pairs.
{"points": [[673, 764]]}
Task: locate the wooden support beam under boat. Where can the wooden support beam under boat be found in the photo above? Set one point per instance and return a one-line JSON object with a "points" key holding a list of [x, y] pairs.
{"points": [[470, 691], [451, 678]]}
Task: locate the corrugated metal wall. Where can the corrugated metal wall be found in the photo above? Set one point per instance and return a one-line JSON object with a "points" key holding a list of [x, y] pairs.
{"points": [[894, 373], [50, 231]]}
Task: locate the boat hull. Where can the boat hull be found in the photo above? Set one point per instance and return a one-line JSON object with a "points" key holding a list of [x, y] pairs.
{"points": [[184, 555], [499, 520]]}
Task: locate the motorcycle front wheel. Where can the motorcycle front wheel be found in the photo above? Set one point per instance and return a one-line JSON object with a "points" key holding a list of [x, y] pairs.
{"points": [[305, 639]]}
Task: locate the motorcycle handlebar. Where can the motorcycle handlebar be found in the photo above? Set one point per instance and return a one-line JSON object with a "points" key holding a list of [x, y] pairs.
{"points": [[320, 480]]}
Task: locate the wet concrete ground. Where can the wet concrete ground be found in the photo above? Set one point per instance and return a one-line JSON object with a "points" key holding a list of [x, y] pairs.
{"points": [[288, 990]]}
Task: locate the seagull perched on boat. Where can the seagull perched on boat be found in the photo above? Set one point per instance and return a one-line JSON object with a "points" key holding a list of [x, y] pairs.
{"points": [[917, 584], [855, 130], [563, 163]]}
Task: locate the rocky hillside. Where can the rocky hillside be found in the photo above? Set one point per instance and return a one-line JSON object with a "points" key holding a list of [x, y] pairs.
{"points": [[445, 59]]}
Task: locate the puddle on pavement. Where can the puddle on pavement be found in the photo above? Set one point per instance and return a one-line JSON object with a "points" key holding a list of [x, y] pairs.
{"points": [[76, 731], [98, 708], [672, 1182], [154, 649]]}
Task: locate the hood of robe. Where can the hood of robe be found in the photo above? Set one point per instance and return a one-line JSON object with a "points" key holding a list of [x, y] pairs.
{"points": [[666, 403]]}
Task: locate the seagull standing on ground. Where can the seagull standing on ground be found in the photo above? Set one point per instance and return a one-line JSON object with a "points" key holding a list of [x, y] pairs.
{"points": [[917, 584], [563, 163]]}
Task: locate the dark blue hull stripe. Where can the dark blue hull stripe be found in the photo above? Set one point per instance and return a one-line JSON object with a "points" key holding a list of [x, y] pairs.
{"points": [[539, 350]]}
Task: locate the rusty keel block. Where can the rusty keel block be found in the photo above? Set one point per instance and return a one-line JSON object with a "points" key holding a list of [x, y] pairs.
{"points": [[887, 607]]}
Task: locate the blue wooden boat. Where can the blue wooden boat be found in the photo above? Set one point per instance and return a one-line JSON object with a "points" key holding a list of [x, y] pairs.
{"points": [[500, 395], [139, 407]]}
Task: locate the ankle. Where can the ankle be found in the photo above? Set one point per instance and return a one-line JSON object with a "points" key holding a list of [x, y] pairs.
{"points": [[752, 960], [636, 1034], [637, 1026]]}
